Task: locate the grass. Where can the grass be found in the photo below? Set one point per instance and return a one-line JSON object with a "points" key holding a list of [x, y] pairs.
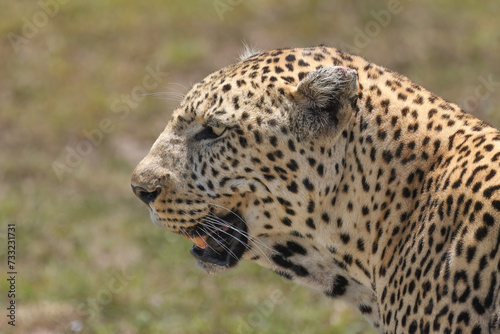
{"points": [[88, 258]]}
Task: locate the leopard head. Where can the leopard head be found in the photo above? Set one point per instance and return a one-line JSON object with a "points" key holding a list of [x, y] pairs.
{"points": [[232, 169]]}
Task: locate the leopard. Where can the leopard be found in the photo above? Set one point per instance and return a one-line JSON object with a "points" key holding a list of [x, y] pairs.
{"points": [[342, 176]]}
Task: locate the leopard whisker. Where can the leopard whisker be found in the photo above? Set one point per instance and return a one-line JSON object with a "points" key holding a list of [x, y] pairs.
{"points": [[219, 221], [248, 247], [221, 244], [226, 224]]}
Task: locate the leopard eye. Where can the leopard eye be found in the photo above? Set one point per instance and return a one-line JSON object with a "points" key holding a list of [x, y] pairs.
{"points": [[218, 130], [210, 132]]}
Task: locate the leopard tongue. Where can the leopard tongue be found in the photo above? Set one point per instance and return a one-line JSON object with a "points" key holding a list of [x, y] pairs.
{"points": [[199, 241]]}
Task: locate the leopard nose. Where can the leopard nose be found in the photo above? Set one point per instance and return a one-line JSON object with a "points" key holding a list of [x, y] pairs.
{"points": [[145, 195]]}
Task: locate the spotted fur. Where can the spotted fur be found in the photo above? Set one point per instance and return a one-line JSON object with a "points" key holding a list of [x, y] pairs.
{"points": [[349, 178]]}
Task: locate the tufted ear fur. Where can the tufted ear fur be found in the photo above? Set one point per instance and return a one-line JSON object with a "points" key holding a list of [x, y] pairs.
{"points": [[325, 99]]}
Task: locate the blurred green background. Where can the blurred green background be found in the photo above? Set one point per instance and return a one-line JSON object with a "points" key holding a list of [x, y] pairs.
{"points": [[88, 258]]}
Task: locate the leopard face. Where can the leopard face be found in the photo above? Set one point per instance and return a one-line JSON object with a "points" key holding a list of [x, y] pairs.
{"points": [[215, 173], [342, 176]]}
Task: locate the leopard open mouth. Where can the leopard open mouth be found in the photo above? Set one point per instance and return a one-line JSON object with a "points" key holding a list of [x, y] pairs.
{"points": [[223, 246]]}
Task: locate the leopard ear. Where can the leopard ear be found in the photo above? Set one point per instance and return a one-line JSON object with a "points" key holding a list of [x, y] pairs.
{"points": [[325, 99]]}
